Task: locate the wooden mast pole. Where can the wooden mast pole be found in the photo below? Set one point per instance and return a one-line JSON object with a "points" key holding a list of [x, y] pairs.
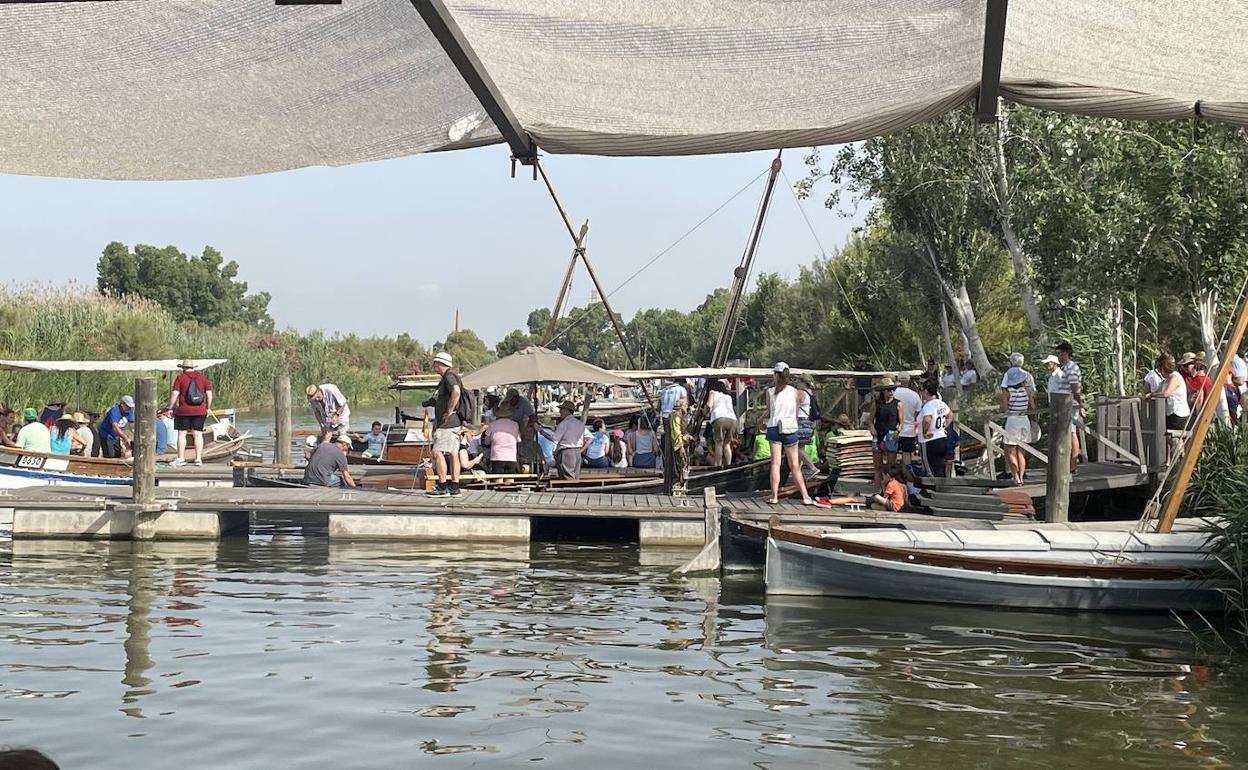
{"points": [[567, 283], [1197, 440], [579, 250]]}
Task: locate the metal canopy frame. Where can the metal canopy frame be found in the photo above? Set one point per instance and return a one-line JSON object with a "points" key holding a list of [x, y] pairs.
{"points": [[990, 76], [448, 34]]}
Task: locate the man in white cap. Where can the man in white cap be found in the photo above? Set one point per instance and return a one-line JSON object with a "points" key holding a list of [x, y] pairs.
{"points": [[447, 426], [114, 440], [190, 402], [327, 467]]}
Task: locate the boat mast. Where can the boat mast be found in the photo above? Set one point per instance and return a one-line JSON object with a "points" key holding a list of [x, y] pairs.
{"points": [[740, 277], [1203, 419]]}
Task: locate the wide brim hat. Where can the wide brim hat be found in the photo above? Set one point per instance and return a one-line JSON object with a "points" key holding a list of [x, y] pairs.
{"points": [[886, 383], [843, 420], [80, 418], [1188, 358], [569, 406], [444, 358], [187, 363], [67, 418], [1014, 377], [1051, 360], [55, 402], [311, 391]]}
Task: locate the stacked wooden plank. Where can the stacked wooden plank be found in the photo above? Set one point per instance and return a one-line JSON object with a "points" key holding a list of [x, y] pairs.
{"points": [[971, 503], [852, 452], [1017, 502]]}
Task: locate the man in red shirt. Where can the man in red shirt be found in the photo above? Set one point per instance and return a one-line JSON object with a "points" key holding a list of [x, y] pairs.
{"points": [[190, 401]]}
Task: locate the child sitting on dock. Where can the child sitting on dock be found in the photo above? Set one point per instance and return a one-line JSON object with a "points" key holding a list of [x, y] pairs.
{"points": [[893, 497]]}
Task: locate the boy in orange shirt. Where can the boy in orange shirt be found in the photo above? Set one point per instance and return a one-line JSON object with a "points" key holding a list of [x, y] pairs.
{"points": [[894, 492]]}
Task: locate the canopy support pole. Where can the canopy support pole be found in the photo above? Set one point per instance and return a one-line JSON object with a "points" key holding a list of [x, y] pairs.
{"points": [[448, 34], [1196, 442], [990, 76], [579, 250]]}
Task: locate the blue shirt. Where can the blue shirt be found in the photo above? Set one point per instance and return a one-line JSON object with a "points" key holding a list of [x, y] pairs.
{"points": [[162, 436], [548, 447], [59, 444], [671, 394], [376, 442], [114, 415]]}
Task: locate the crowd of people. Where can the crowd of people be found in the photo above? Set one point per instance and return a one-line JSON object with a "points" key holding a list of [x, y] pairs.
{"points": [[109, 433]]}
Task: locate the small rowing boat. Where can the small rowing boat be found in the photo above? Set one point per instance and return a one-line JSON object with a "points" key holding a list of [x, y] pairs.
{"points": [[1051, 568]]}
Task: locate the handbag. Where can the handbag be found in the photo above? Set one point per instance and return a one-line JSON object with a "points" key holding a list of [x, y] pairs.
{"points": [[890, 441]]}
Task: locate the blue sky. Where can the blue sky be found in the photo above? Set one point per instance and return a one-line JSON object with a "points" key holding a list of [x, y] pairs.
{"points": [[397, 246]]}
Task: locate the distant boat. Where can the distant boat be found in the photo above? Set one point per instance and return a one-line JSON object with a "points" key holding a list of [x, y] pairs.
{"points": [[1047, 568]]}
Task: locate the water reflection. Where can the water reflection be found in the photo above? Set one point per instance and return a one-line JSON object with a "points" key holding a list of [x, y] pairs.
{"points": [[563, 654]]}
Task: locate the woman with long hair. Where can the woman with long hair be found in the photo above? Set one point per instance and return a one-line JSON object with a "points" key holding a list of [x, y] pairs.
{"points": [[782, 403]]}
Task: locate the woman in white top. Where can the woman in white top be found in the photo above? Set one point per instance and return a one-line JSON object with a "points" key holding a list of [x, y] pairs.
{"points": [[723, 419], [1174, 392], [1017, 404], [782, 403], [641, 443]]}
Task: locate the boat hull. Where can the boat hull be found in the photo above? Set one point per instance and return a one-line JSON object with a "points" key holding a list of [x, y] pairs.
{"points": [[798, 569]]}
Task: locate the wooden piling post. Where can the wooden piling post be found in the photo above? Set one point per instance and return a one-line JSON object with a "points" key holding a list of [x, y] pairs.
{"points": [[1057, 477], [144, 431], [709, 559], [281, 419]]}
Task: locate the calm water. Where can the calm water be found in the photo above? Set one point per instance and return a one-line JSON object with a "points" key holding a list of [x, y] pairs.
{"points": [[288, 652]]}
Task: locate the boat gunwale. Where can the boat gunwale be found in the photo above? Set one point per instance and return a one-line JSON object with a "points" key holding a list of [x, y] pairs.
{"points": [[801, 536]]}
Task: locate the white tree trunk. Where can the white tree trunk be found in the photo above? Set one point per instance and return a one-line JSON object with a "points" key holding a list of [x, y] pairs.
{"points": [[962, 308], [1018, 257], [1116, 317], [1206, 311], [949, 354]]}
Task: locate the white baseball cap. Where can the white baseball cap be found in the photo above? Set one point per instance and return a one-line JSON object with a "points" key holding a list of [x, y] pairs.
{"points": [[780, 367], [443, 358]]}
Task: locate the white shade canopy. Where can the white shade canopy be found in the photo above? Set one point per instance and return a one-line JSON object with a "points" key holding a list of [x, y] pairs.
{"points": [[534, 364], [159, 365], [177, 89]]}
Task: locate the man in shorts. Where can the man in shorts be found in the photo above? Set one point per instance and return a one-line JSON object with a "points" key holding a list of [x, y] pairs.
{"points": [[447, 427], [908, 429], [190, 401]]}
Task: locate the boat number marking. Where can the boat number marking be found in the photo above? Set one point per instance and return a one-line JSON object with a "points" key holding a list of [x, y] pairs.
{"points": [[30, 462]]}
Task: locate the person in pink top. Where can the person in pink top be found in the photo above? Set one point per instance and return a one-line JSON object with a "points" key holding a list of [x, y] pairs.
{"points": [[504, 435]]}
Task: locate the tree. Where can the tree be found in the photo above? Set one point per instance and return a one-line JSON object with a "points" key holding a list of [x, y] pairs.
{"points": [[204, 289], [467, 349], [515, 341]]}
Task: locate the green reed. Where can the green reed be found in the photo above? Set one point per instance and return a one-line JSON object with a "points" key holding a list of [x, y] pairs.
{"points": [[76, 322]]}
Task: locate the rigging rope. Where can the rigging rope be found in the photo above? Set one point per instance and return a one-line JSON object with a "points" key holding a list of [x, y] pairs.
{"points": [[585, 313], [824, 253]]}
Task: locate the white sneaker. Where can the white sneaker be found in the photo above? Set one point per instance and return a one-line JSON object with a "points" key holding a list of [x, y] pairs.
{"points": [[198, 461], [178, 463]]}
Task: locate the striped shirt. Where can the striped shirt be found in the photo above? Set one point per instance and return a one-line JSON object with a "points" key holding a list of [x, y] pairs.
{"points": [[1065, 376], [1018, 402]]}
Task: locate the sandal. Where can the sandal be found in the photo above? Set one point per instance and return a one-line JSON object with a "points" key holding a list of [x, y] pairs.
{"points": [[773, 501]]}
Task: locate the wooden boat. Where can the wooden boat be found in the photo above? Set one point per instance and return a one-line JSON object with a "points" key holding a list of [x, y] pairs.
{"points": [[223, 440], [22, 468], [404, 446], [1052, 568], [741, 477]]}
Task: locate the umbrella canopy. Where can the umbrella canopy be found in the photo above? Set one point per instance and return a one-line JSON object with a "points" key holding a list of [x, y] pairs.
{"points": [[534, 364]]}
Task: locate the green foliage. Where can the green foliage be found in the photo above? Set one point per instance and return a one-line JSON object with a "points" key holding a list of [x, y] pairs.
{"points": [[205, 289], [467, 349], [73, 323], [515, 341], [1219, 491]]}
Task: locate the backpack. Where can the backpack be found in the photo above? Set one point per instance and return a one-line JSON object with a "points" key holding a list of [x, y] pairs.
{"points": [[466, 409], [194, 395]]}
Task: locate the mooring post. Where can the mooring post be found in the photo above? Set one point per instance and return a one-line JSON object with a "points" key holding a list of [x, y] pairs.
{"points": [[144, 431], [1057, 478], [281, 419], [710, 510]]}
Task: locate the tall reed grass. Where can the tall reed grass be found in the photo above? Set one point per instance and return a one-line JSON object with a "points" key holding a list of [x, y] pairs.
{"points": [[1219, 490], [77, 322]]}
